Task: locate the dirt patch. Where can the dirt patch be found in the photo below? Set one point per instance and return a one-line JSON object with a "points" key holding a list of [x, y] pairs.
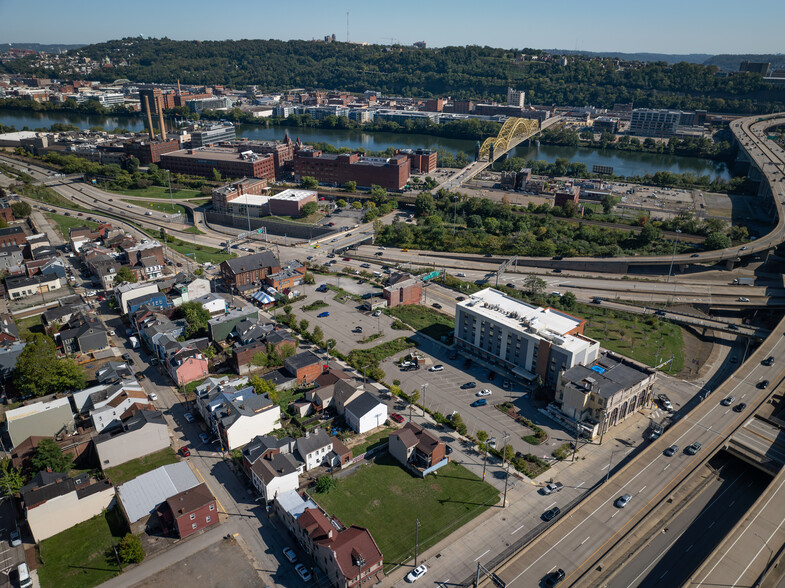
{"points": [[395, 490], [696, 349]]}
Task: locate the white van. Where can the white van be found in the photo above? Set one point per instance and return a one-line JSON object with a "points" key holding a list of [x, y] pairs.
{"points": [[25, 581]]}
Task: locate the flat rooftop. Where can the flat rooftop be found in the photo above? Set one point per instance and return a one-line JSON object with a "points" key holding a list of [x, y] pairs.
{"points": [[250, 200], [294, 195], [212, 154]]}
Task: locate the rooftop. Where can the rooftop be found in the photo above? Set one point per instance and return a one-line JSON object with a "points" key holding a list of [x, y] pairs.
{"points": [[294, 195], [605, 376]]}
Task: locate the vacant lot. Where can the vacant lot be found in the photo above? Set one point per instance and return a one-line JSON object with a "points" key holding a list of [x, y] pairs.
{"points": [[82, 556], [64, 223], [158, 192], [427, 320], [160, 205], [388, 500], [136, 467]]}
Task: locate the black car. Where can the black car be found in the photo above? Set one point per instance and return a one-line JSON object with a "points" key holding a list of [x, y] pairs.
{"points": [[554, 578], [671, 451], [436, 305], [461, 298], [768, 361], [447, 449], [551, 514], [468, 385], [557, 270], [739, 407], [511, 285], [763, 384]]}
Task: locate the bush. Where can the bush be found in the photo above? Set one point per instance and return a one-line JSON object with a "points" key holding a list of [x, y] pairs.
{"points": [[324, 484], [131, 550]]}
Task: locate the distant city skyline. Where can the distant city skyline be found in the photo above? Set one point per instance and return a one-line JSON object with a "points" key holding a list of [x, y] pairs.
{"points": [[605, 25]]}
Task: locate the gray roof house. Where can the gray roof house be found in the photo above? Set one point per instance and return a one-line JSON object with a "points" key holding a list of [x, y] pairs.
{"points": [[142, 434], [85, 334], [141, 496], [9, 352]]}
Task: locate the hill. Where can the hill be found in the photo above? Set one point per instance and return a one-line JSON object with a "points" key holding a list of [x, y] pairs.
{"points": [[46, 48], [669, 58]]}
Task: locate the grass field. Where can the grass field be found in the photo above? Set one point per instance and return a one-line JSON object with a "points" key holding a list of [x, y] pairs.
{"points": [[645, 339], [136, 467], [203, 253], [33, 324], [387, 500], [158, 192], [69, 222], [159, 205], [371, 441], [82, 556], [425, 319]]}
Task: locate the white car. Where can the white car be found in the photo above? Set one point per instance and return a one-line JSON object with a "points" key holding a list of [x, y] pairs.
{"points": [[416, 573], [377, 312], [436, 368], [742, 299], [289, 554], [189, 418], [461, 275], [484, 392], [153, 396], [303, 572], [492, 442]]}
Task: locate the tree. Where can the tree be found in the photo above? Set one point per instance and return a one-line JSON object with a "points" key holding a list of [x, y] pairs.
{"points": [[309, 208], [378, 194], [608, 202], [132, 165], [324, 484], [216, 175], [534, 285], [424, 204], [49, 456], [131, 550], [196, 316], [262, 386], [482, 436], [317, 334], [259, 359], [509, 452], [304, 325], [125, 274], [414, 397], [11, 479], [309, 183], [350, 186], [716, 240], [457, 422], [308, 279], [357, 205], [21, 209], [341, 203], [40, 372], [649, 234], [568, 300]]}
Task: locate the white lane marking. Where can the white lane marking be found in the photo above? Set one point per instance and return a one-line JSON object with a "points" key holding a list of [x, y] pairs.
{"points": [[642, 489], [516, 530], [483, 553], [712, 524], [605, 467], [666, 467], [585, 540], [551, 506], [579, 485], [687, 550]]}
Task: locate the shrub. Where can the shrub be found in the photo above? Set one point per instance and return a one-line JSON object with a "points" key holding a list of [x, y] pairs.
{"points": [[131, 550]]}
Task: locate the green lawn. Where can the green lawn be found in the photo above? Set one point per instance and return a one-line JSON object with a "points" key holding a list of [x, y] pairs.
{"points": [[160, 206], [387, 500], [158, 192], [82, 556], [33, 324], [425, 319], [69, 222], [645, 339], [203, 253], [136, 467], [371, 441], [48, 196]]}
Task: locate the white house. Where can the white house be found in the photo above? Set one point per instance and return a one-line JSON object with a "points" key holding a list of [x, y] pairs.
{"points": [[109, 413], [125, 292], [144, 433], [365, 412], [212, 303], [315, 448]]}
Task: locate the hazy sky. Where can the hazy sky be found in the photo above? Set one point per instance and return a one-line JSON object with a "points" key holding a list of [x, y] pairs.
{"points": [[666, 26]]}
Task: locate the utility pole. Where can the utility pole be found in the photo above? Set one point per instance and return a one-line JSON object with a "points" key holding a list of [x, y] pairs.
{"points": [[484, 461], [416, 540], [577, 436], [424, 388], [507, 471]]}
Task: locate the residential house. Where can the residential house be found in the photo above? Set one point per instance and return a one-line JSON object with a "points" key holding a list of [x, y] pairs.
{"points": [[12, 236], [53, 502], [127, 291], [292, 274], [149, 268], [44, 419], [248, 330], [221, 327], [139, 498], [11, 259], [235, 412], [305, 367], [321, 397], [212, 303], [9, 352], [187, 288], [21, 286], [316, 448], [348, 556], [188, 512], [115, 371], [249, 271], [152, 301], [97, 396], [142, 434], [416, 447], [187, 363], [344, 391], [37, 242], [271, 465], [8, 329], [365, 412], [83, 335], [60, 315], [110, 405]]}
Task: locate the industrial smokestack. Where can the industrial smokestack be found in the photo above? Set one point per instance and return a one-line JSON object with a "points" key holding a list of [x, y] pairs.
{"points": [[161, 122], [149, 119], [178, 88]]}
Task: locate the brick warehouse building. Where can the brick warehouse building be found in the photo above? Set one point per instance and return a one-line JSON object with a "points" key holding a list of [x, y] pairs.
{"points": [[230, 163], [403, 289], [422, 160], [157, 99], [188, 512], [12, 236], [249, 271], [389, 173], [148, 152]]}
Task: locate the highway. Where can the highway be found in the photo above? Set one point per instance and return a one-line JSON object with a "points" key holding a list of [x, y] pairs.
{"points": [[580, 537]]}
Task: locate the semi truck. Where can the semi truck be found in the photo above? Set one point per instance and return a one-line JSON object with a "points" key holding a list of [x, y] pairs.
{"points": [[744, 281]]}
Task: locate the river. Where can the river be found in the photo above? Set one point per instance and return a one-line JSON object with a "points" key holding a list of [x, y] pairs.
{"points": [[624, 163]]}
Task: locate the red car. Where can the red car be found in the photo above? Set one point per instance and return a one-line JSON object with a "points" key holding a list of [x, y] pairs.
{"points": [[185, 452], [347, 258], [396, 417]]}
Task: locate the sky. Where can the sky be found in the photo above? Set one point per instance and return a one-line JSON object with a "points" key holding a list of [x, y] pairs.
{"points": [[666, 26]]}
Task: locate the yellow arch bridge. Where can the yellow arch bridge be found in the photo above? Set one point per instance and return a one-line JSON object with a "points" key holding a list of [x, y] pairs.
{"points": [[513, 131]]}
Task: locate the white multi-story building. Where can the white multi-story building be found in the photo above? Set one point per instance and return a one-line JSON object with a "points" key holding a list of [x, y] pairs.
{"points": [[515, 97], [655, 123], [529, 341]]}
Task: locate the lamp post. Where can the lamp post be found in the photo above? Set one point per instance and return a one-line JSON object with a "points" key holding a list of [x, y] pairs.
{"points": [[416, 540], [673, 256], [507, 470], [424, 388]]}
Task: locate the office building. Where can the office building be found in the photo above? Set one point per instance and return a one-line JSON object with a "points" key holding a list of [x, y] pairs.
{"points": [[532, 343], [214, 103], [515, 97], [606, 124], [422, 160], [212, 135], [654, 123], [230, 163], [223, 195], [755, 67], [390, 173]]}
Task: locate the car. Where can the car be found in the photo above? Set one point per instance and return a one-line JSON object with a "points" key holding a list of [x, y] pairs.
{"points": [[416, 573], [331, 256], [763, 384], [153, 396], [557, 270], [396, 417], [126, 356], [469, 385], [734, 359], [551, 514], [693, 449], [768, 361], [379, 253], [484, 392], [479, 402], [695, 254], [728, 401], [357, 329], [185, 452], [506, 384], [377, 312], [671, 451], [347, 258], [623, 501], [554, 578], [448, 449], [322, 288], [511, 285], [551, 488], [742, 299], [365, 265], [303, 572], [733, 327], [556, 293], [461, 275], [289, 554], [436, 305], [492, 443], [740, 407], [15, 539], [204, 438], [436, 368], [461, 298], [659, 312], [189, 418], [323, 314], [744, 248]]}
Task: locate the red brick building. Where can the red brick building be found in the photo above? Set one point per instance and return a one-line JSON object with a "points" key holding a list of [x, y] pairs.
{"points": [[422, 160], [249, 270], [201, 162], [12, 236], [566, 194], [227, 193], [188, 512], [148, 152], [305, 367], [281, 151], [389, 173], [158, 99], [404, 290]]}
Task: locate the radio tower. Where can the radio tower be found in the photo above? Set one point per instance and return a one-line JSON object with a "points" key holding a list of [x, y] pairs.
{"points": [[347, 26]]}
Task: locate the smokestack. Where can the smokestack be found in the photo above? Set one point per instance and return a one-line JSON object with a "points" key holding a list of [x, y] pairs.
{"points": [[149, 118], [161, 122], [178, 88]]}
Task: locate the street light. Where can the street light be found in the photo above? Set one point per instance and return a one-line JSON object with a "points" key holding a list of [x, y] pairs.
{"points": [[673, 255], [424, 388]]}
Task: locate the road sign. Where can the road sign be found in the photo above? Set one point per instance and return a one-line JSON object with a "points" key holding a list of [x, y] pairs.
{"points": [[432, 275]]}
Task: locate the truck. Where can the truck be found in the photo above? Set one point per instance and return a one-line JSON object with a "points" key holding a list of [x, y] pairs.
{"points": [[134, 342], [665, 401], [551, 488], [744, 281]]}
